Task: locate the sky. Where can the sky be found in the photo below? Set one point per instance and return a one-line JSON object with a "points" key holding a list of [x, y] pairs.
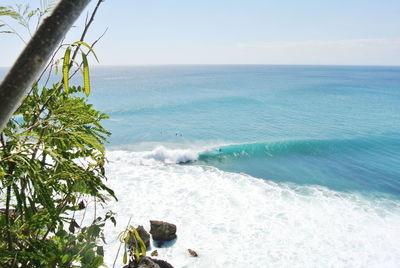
{"points": [[315, 32]]}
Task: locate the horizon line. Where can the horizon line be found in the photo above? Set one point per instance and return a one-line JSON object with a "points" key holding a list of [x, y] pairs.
{"points": [[232, 64]]}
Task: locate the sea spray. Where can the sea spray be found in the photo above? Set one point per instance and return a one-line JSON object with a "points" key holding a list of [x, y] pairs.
{"points": [[236, 220]]}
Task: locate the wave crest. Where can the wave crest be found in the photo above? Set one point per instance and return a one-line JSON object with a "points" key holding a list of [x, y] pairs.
{"points": [[159, 155]]}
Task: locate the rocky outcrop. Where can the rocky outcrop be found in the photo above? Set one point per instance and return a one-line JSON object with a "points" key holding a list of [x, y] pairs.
{"points": [[147, 262], [162, 231], [144, 235], [162, 264]]}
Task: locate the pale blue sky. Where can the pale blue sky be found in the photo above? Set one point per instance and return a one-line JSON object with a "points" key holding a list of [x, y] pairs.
{"points": [[349, 32]]}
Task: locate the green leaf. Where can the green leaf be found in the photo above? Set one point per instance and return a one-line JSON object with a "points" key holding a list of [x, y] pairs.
{"points": [[64, 258], [89, 47], [32, 13], [100, 250], [97, 261], [141, 243], [4, 11], [86, 78], [128, 235], [125, 258], [66, 68], [137, 255]]}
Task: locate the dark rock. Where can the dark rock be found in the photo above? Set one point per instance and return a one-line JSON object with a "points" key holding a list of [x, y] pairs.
{"points": [[163, 231], [163, 264], [147, 262], [154, 253], [81, 205], [193, 253], [144, 235]]}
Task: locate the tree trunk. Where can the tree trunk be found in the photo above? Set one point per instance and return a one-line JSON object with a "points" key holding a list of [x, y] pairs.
{"points": [[36, 54]]}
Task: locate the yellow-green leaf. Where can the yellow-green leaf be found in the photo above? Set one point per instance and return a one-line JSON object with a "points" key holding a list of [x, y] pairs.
{"points": [[137, 254], [89, 47], [128, 235], [141, 243], [86, 78], [66, 68], [125, 259]]}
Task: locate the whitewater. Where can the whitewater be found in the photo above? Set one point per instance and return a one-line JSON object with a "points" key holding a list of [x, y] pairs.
{"points": [[257, 165], [235, 220]]}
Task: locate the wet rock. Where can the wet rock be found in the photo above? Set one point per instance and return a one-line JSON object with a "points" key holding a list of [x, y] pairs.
{"points": [[163, 231], [154, 253], [144, 235], [146, 262], [163, 264], [192, 253]]}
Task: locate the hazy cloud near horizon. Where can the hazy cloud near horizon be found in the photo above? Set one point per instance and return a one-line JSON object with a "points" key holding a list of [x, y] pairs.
{"points": [[373, 51]]}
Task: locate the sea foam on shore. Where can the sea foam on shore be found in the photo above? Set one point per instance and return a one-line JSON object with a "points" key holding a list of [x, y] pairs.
{"points": [[236, 220]]}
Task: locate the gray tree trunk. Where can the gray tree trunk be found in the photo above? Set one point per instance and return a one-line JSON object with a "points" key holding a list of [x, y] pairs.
{"points": [[36, 54]]}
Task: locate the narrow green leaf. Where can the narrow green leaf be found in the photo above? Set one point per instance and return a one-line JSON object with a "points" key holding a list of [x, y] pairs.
{"points": [[66, 68], [9, 12], [137, 253], [125, 259], [86, 78], [141, 243], [32, 13], [89, 47], [128, 235]]}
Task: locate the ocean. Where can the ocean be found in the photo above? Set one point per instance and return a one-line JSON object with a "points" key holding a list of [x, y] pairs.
{"points": [[257, 165]]}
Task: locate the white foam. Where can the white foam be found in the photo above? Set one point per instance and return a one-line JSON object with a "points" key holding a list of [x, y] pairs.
{"points": [[233, 220], [160, 154]]}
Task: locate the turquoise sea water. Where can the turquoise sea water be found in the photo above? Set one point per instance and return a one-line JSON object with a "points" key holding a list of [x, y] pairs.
{"points": [[300, 164], [284, 166], [337, 127]]}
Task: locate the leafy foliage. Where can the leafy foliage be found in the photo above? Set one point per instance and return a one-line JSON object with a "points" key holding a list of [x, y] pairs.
{"points": [[25, 16], [133, 245], [52, 160]]}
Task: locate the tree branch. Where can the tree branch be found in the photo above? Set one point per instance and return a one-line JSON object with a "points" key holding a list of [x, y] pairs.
{"points": [[35, 56]]}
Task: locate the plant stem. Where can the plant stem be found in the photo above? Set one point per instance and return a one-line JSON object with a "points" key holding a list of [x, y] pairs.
{"points": [[9, 240]]}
